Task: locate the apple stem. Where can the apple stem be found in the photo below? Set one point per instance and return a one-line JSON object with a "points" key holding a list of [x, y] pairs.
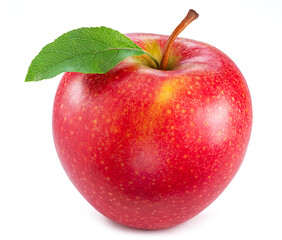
{"points": [[190, 17]]}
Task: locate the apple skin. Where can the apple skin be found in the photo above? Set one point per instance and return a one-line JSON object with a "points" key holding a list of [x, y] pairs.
{"points": [[150, 148]]}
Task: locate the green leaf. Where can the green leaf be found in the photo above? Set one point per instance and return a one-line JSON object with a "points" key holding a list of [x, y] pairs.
{"points": [[85, 50]]}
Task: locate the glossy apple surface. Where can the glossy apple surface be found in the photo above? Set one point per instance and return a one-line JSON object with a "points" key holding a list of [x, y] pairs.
{"points": [[150, 148]]}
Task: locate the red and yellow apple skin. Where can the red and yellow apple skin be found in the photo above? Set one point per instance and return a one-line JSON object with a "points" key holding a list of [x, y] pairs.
{"points": [[150, 148]]}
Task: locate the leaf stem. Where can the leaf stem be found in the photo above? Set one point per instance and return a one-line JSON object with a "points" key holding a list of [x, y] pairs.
{"points": [[190, 17], [154, 59]]}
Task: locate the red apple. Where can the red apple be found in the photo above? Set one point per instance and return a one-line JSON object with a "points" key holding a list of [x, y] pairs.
{"points": [[152, 148]]}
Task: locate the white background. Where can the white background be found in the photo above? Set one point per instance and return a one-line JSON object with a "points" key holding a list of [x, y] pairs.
{"points": [[37, 200]]}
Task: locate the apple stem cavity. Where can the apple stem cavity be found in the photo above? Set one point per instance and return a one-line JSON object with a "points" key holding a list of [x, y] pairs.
{"points": [[190, 17]]}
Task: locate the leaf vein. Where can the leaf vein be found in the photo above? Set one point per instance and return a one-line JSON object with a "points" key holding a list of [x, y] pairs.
{"points": [[95, 52]]}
